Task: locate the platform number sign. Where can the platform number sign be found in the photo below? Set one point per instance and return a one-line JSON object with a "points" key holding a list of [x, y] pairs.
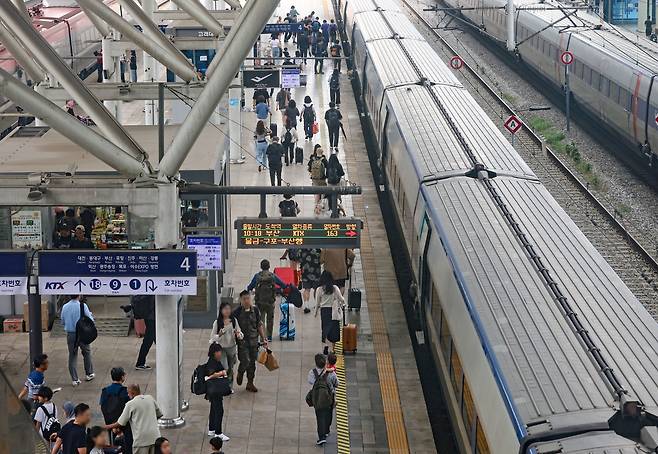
{"points": [[456, 62], [566, 58], [513, 124]]}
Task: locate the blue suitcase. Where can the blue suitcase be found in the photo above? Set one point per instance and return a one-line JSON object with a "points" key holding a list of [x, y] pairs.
{"points": [[287, 322]]}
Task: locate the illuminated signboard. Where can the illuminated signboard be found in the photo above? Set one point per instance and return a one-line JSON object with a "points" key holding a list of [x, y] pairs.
{"points": [[282, 233]]}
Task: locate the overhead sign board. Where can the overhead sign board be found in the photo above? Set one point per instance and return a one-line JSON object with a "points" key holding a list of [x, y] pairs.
{"points": [[290, 77], [261, 78], [513, 124], [281, 233], [208, 251], [295, 27], [138, 272], [13, 273]]}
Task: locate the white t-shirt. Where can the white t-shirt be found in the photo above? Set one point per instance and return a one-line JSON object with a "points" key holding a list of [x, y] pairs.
{"points": [[274, 43], [40, 414]]}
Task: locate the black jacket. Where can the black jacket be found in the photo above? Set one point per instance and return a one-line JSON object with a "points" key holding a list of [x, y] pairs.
{"points": [[274, 154]]}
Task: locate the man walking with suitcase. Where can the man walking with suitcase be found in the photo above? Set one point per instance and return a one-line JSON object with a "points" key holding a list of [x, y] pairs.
{"points": [[249, 320], [264, 283]]}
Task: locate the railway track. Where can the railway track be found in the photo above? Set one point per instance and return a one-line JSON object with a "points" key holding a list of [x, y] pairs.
{"points": [[634, 265]]}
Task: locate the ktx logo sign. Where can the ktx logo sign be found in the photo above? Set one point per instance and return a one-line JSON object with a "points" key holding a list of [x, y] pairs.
{"points": [[55, 285]]}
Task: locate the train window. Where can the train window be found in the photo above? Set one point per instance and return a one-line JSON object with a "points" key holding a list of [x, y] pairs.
{"points": [[579, 69], [625, 98], [468, 410], [437, 312], [482, 447], [444, 338], [595, 79], [604, 86], [588, 75], [456, 372], [614, 92]]}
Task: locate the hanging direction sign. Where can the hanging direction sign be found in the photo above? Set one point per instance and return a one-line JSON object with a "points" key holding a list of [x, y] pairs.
{"points": [[282, 233], [138, 272], [208, 251], [13, 273]]}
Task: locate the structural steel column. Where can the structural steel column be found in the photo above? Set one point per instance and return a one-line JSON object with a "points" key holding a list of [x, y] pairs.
{"points": [[24, 59], [109, 68], [235, 4], [184, 70], [148, 6], [152, 31], [166, 313], [257, 15], [235, 123], [237, 25], [201, 15], [101, 26], [69, 126], [20, 5], [79, 91]]}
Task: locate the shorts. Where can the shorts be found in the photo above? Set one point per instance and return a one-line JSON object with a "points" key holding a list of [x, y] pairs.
{"points": [[339, 282]]}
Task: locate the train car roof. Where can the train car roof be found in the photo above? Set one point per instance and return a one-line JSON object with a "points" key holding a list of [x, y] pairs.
{"points": [[431, 66], [375, 25], [431, 145], [359, 6], [388, 5], [391, 64], [479, 132], [622, 44], [548, 372]]}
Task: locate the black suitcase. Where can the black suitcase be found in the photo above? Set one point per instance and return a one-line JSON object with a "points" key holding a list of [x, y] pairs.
{"points": [[354, 299], [299, 155], [273, 129]]}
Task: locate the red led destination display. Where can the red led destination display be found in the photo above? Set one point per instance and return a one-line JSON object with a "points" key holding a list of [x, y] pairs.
{"points": [[282, 233]]}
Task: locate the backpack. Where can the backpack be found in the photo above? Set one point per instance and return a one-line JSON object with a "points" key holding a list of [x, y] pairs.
{"points": [[309, 114], [333, 176], [287, 137], [320, 396], [112, 408], [198, 385], [332, 118], [288, 208], [317, 170], [265, 289], [334, 51], [51, 425], [85, 329]]}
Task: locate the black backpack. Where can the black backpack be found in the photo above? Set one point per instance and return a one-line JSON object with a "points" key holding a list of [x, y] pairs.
{"points": [[309, 114], [287, 137], [112, 408], [288, 208], [333, 118], [51, 425], [333, 175], [198, 385], [320, 396], [85, 329]]}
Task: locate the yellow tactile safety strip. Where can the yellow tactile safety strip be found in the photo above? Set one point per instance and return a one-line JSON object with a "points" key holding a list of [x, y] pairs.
{"points": [[395, 430], [342, 416]]}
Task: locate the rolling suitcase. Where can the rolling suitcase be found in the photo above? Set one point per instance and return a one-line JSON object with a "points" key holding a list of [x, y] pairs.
{"points": [[288, 275], [299, 155], [287, 322], [354, 299], [349, 338]]}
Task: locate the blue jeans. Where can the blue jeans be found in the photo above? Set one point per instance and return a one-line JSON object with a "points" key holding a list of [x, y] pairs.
{"points": [[261, 148]]}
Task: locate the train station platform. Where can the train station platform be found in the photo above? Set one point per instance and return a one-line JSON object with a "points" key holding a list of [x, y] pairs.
{"points": [[380, 406]]}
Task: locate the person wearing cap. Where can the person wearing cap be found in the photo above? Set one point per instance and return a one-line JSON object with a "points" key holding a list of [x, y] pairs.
{"points": [[62, 236], [274, 154], [79, 240], [45, 411]]}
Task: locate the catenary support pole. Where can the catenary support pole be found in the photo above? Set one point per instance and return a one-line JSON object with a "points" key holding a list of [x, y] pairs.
{"points": [[47, 56], [152, 31], [510, 13], [24, 59], [567, 101], [166, 314], [184, 70], [70, 127], [201, 15], [258, 13]]}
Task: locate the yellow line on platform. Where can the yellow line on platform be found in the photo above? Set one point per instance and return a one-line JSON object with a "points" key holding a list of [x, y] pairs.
{"points": [[342, 414]]}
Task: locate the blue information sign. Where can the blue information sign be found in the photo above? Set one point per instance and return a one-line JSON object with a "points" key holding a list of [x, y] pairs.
{"points": [[137, 272], [283, 28], [208, 249], [13, 273]]}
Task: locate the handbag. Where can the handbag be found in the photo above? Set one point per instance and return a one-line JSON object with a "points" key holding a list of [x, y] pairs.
{"points": [[267, 359], [316, 127], [218, 387]]}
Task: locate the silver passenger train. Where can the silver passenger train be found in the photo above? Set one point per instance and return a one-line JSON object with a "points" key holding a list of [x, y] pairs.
{"points": [[540, 346], [613, 74]]}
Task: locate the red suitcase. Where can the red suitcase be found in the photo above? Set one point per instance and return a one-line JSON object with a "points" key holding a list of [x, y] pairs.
{"points": [[287, 274]]}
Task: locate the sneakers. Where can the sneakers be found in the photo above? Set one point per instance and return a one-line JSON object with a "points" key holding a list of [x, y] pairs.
{"points": [[75, 383], [223, 437], [90, 377], [211, 433], [307, 310], [320, 442], [240, 377], [143, 367], [251, 388]]}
